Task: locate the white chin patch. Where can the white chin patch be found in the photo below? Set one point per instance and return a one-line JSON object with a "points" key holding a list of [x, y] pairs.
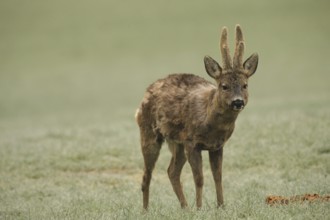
{"points": [[235, 108]]}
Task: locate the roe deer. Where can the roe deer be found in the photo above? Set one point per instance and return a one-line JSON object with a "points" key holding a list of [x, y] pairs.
{"points": [[192, 115]]}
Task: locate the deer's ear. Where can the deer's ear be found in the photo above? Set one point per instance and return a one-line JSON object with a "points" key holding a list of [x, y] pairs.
{"points": [[212, 67], [251, 64]]}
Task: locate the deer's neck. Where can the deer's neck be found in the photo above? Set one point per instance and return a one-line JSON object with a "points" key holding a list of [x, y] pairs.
{"points": [[217, 114]]}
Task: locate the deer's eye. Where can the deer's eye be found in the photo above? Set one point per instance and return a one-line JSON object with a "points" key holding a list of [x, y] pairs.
{"points": [[245, 86], [224, 87]]}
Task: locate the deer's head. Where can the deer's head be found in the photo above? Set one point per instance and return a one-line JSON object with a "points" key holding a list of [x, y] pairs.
{"points": [[232, 77]]}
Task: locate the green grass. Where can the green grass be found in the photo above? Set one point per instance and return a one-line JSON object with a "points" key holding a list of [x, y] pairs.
{"points": [[72, 74]]}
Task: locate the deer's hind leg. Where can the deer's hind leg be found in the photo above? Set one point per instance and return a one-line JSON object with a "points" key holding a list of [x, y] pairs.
{"points": [[194, 157], [150, 145], [174, 170]]}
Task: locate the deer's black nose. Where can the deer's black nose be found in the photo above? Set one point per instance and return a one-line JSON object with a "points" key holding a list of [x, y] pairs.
{"points": [[237, 104]]}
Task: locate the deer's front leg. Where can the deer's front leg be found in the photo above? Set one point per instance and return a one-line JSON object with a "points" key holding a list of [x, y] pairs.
{"points": [[216, 166], [194, 157]]}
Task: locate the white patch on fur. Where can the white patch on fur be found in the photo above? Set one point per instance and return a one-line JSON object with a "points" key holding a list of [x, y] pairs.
{"points": [[145, 99], [137, 112], [158, 85]]}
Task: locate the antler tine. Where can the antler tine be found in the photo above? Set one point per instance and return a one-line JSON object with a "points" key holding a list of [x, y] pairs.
{"points": [[226, 59], [239, 50]]}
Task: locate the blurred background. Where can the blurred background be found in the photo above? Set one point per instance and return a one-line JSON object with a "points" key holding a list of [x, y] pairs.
{"points": [[63, 59], [72, 74]]}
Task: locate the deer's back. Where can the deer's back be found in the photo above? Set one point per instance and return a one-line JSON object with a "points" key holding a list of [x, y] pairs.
{"points": [[170, 105]]}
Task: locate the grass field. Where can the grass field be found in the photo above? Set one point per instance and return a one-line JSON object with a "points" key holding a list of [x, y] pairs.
{"points": [[72, 74]]}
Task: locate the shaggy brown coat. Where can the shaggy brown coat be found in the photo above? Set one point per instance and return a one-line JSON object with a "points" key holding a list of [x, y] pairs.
{"points": [[192, 115]]}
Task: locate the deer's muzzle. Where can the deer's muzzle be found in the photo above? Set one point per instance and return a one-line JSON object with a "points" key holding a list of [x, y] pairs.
{"points": [[237, 104]]}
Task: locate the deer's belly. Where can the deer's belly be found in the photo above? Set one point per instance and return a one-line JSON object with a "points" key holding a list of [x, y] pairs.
{"points": [[210, 147]]}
